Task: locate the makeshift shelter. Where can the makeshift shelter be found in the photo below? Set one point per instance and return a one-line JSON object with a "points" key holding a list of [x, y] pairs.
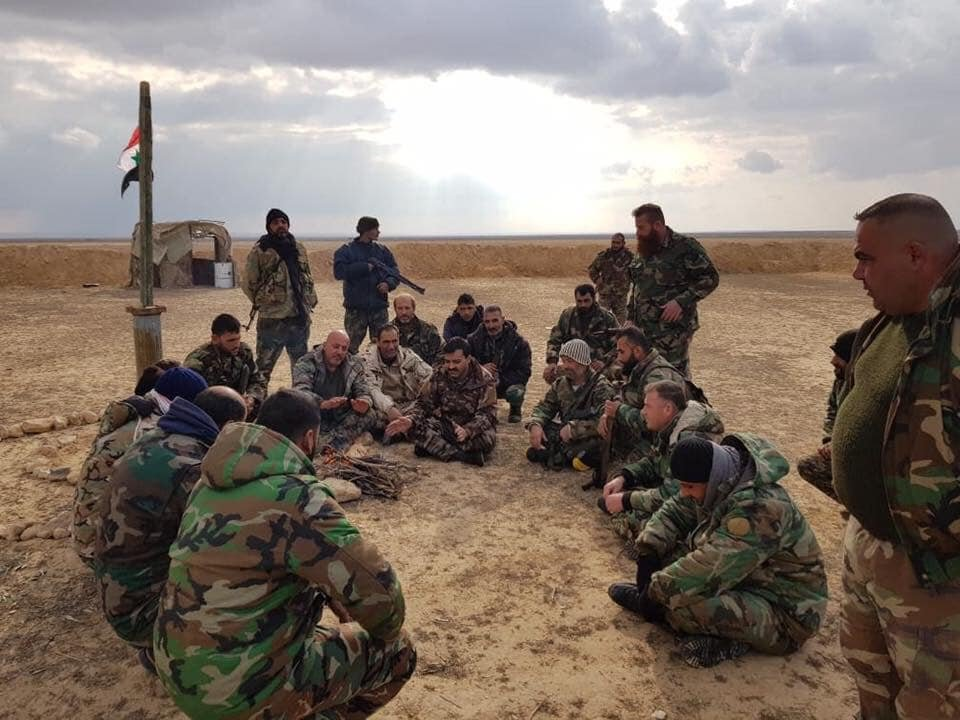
{"points": [[173, 262]]}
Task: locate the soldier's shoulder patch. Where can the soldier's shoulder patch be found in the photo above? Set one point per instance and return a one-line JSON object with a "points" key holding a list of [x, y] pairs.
{"points": [[738, 526]]}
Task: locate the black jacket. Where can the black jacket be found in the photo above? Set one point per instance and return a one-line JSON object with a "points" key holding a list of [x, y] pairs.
{"points": [[456, 327], [508, 350]]}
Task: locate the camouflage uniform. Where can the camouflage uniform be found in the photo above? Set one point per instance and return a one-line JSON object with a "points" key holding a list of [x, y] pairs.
{"points": [[262, 547], [580, 408], [900, 616], [813, 468], [681, 270], [610, 272], [413, 372], [340, 426], [747, 568], [592, 328], [421, 337], [121, 425], [470, 402], [238, 371], [648, 481], [139, 520], [280, 324]]}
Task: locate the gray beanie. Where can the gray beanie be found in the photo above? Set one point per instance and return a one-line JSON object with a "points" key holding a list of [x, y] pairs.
{"points": [[577, 350]]}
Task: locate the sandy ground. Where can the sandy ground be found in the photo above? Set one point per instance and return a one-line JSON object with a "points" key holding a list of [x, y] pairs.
{"points": [[505, 568]]}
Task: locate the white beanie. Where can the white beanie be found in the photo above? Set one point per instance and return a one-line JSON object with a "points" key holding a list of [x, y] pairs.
{"points": [[577, 350]]}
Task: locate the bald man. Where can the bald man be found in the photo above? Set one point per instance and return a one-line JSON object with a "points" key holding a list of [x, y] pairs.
{"points": [[335, 378]]}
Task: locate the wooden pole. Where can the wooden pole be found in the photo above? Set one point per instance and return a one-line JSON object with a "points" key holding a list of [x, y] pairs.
{"points": [[147, 338]]}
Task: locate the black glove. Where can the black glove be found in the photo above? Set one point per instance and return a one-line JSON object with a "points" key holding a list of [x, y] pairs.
{"points": [[647, 565], [651, 610]]}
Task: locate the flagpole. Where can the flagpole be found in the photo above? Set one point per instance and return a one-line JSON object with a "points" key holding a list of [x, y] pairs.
{"points": [[147, 338]]}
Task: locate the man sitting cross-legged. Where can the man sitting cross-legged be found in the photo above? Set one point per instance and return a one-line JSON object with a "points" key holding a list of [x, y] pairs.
{"points": [[731, 563], [395, 376], [455, 417], [263, 547]]}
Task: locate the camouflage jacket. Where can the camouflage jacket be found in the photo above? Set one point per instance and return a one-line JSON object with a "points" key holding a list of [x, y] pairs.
{"points": [[753, 538], [266, 283], [414, 372], [509, 351], [121, 425], [140, 516], [262, 546], [653, 472], [421, 337], [470, 402], [653, 369], [922, 437], [579, 408], [680, 271], [310, 371], [610, 272], [833, 402], [592, 329], [220, 368]]}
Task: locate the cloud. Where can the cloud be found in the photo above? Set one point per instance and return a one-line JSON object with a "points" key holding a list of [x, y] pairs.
{"points": [[759, 161], [77, 137]]}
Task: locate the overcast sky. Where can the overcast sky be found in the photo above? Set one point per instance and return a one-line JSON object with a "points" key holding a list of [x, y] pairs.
{"points": [[477, 116]]}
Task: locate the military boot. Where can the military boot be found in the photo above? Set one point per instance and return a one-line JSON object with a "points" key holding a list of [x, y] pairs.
{"points": [[703, 651]]}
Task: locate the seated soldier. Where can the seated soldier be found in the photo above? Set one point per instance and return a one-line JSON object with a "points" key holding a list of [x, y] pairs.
{"points": [[395, 376], [816, 469], [455, 417], [262, 547], [464, 319], [502, 350], [587, 321], [642, 487], [335, 379], [226, 360], [415, 334], [122, 424], [141, 511], [731, 564], [563, 426]]}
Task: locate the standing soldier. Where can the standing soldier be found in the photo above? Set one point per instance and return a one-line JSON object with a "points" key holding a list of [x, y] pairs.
{"points": [[364, 266], [670, 273], [610, 272], [416, 334], [587, 321], [278, 282]]}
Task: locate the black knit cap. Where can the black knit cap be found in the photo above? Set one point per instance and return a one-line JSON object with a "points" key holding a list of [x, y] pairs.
{"points": [[367, 223], [843, 345], [274, 213], [692, 460]]}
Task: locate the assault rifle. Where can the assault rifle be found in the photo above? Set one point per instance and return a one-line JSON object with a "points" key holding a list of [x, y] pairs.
{"points": [[393, 272]]}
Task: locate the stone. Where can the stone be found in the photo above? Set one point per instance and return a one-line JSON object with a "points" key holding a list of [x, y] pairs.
{"points": [[343, 490], [65, 440], [12, 531], [75, 418], [60, 533], [89, 417], [659, 715], [60, 422], [30, 532], [37, 425], [47, 450]]}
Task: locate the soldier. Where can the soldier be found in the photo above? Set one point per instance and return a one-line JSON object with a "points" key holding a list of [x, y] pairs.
{"points": [[416, 334], [587, 321], [503, 351], [455, 417], [141, 511], [895, 445], [395, 375], [622, 420], [670, 273], [364, 267], [335, 379], [610, 272], [464, 319], [262, 548], [122, 424], [732, 564], [278, 282], [642, 487], [815, 469], [227, 360], [563, 426]]}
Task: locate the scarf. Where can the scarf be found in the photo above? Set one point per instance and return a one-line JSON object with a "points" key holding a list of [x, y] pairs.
{"points": [[286, 247]]}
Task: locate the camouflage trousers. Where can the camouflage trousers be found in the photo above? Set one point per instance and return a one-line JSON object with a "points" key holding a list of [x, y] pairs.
{"points": [[346, 674], [615, 303], [340, 429], [358, 323], [901, 640], [743, 616], [432, 436], [676, 349], [86, 516], [275, 335], [818, 472]]}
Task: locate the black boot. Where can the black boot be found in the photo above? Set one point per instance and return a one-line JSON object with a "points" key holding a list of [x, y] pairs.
{"points": [[474, 457], [626, 595], [420, 451]]}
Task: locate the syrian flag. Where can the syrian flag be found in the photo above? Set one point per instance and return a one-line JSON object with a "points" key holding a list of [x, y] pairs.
{"points": [[129, 161]]}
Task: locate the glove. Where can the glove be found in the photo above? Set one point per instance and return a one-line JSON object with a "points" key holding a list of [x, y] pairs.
{"points": [[647, 565]]}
